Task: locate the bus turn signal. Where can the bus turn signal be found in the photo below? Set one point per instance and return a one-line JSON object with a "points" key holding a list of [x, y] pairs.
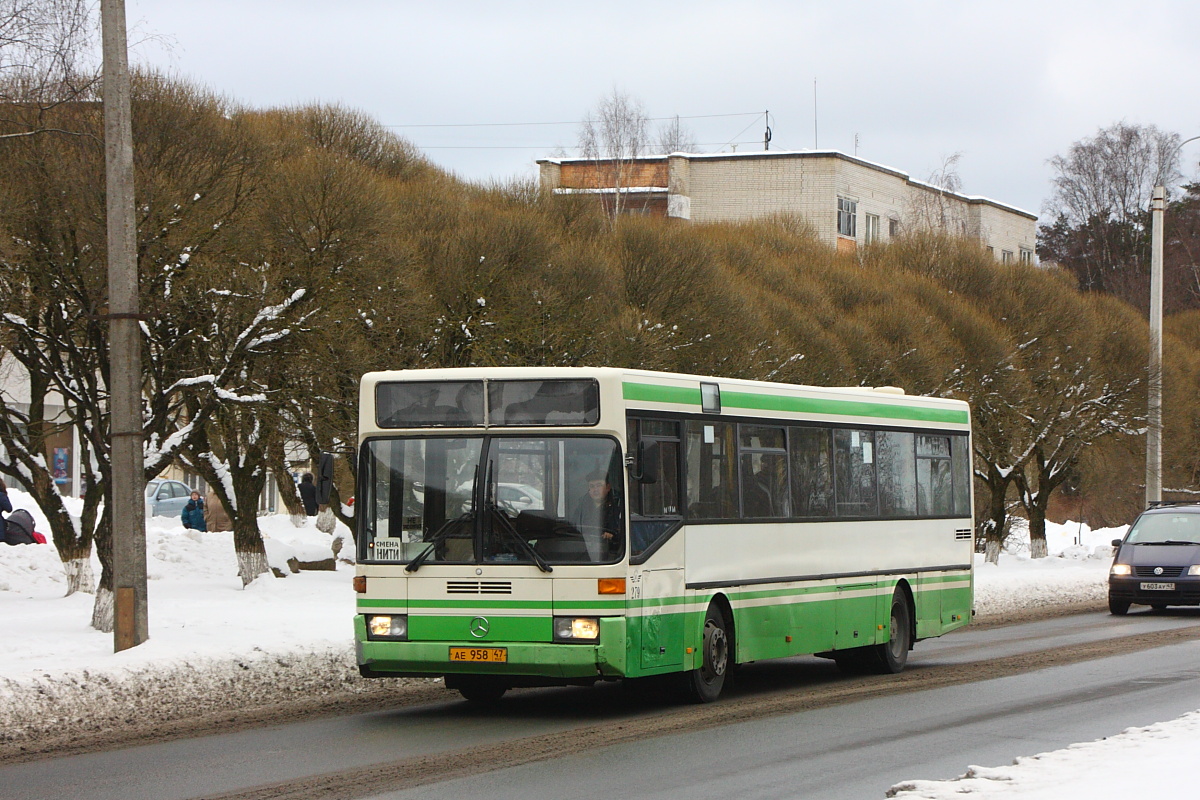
{"points": [[610, 586]]}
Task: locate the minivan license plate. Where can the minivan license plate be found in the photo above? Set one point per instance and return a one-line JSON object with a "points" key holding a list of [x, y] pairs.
{"points": [[1158, 587]]}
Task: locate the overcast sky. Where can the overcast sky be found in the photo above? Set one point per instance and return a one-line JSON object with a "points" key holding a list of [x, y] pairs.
{"points": [[1006, 84]]}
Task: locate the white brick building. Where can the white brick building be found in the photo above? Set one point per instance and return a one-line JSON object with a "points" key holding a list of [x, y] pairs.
{"points": [[848, 201]]}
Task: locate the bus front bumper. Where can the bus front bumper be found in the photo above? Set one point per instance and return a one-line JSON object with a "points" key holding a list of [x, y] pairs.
{"points": [[552, 660]]}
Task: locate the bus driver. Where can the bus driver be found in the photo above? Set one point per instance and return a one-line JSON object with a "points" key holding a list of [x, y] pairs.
{"points": [[597, 516]]}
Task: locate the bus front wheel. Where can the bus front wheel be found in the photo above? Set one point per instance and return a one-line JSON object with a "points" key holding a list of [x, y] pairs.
{"points": [[706, 682], [476, 689]]}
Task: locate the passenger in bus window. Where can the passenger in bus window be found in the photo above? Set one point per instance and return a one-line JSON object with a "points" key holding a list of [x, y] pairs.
{"points": [[597, 516]]}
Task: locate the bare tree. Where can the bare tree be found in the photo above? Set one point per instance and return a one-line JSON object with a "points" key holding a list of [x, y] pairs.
{"points": [[673, 137], [1111, 175], [45, 54], [936, 208], [1098, 209], [613, 136]]}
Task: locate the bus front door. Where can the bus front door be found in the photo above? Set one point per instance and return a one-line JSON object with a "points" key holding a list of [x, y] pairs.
{"points": [[662, 618]]}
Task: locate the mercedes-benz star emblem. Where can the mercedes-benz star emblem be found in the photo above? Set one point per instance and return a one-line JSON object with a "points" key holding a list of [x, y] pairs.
{"points": [[479, 627], [1157, 571]]}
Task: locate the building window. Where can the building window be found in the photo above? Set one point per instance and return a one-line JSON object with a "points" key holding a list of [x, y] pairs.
{"points": [[847, 218], [893, 227], [1006, 256], [991, 251], [1026, 255], [872, 231]]}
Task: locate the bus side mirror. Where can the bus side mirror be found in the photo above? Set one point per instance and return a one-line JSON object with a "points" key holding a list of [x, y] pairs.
{"points": [[648, 462], [324, 478]]}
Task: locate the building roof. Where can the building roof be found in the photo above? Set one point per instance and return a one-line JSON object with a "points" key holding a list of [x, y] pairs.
{"points": [[775, 154]]}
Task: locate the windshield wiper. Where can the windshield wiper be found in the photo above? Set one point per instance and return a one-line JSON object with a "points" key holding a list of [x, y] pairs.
{"points": [[438, 536], [490, 505], [1177, 541], [522, 543]]}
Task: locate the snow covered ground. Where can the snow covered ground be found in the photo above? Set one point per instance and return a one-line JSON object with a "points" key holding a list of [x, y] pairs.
{"points": [[214, 645]]}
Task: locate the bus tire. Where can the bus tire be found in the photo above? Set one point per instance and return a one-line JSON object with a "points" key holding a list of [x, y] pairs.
{"points": [[479, 690], [891, 656], [705, 683]]}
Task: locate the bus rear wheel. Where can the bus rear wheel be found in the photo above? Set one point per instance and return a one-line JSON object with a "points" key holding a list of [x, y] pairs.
{"points": [[891, 656], [477, 689], [705, 683]]}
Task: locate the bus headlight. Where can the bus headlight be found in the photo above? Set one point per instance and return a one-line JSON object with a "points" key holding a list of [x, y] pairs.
{"points": [[1120, 569], [392, 627], [576, 629]]}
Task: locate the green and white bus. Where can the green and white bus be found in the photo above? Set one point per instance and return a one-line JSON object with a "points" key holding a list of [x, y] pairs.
{"points": [[552, 526]]}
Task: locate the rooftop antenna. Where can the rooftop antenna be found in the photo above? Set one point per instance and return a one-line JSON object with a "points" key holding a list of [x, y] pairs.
{"points": [[815, 145], [856, 145], [767, 132]]}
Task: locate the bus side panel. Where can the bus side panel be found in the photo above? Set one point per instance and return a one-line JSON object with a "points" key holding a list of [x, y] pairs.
{"points": [[927, 597], [957, 599], [784, 622], [857, 617]]}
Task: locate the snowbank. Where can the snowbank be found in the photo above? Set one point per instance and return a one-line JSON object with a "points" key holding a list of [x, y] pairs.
{"points": [[1117, 766]]}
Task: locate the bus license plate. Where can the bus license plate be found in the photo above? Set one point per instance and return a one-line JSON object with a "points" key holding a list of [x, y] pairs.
{"points": [[489, 654], [1158, 587]]}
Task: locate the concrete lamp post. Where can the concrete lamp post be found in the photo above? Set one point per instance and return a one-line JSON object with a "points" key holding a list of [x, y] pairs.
{"points": [[1158, 205]]}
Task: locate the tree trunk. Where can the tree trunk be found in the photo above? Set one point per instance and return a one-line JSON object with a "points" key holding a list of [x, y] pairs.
{"points": [[79, 574], [286, 486], [102, 610], [997, 519], [993, 550], [1037, 531]]}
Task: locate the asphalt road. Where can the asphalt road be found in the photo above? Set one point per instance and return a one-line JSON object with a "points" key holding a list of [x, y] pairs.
{"points": [[792, 728]]}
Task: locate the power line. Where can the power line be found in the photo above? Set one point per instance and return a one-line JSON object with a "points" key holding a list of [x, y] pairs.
{"points": [[548, 147], [572, 122]]}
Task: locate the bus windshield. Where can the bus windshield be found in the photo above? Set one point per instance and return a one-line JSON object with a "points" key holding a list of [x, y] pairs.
{"points": [[493, 499]]}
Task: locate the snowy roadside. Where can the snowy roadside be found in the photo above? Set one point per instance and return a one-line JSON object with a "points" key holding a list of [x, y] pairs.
{"points": [[215, 647], [1116, 766]]}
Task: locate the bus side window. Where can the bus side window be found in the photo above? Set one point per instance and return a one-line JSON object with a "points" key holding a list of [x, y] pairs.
{"points": [[812, 471], [712, 486]]}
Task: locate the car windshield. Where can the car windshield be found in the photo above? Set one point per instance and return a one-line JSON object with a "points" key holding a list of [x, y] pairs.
{"points": [[1165, 528], [497, 499]]}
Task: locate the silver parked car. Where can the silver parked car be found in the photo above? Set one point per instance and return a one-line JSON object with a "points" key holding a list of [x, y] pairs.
{"points": [[166, 498]]}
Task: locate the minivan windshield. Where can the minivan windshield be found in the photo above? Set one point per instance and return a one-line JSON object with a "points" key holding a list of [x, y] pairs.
{"points": [[493, 499], [1165, 528]]}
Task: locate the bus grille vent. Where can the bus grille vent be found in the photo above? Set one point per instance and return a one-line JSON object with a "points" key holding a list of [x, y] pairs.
{"points": [[962, 533], [478, 587]]}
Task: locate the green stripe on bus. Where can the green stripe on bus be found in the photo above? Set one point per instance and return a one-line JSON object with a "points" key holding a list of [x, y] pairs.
{"points": [[490, 603], [661, 394], [796, 405]]}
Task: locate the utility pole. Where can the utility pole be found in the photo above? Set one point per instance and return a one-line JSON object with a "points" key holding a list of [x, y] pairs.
{"points": [[1158, 207], [1154, 403], [130, 620]]}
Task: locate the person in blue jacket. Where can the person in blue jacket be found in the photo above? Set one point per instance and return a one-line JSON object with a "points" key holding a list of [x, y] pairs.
{"points": [[193, 513]]}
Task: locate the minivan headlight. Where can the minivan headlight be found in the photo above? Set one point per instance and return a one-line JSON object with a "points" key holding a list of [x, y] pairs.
{"points": [[576, 629], [1120, 569], [1194, 569], [387, 627]]}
